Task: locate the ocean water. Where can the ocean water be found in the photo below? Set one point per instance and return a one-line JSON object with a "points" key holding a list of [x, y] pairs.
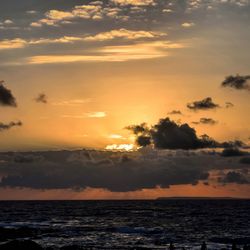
{"points": [[128, 224]]}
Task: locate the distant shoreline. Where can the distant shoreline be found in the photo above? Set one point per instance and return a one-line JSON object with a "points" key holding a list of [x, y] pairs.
{"points": [[201, 198]]}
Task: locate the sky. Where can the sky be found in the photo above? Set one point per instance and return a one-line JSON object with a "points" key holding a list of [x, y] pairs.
{"points": [[80, 74]]}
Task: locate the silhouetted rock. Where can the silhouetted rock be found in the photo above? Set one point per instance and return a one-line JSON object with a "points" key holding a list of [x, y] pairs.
{"points": [[171, 246], [204, 246], [20, 245]]}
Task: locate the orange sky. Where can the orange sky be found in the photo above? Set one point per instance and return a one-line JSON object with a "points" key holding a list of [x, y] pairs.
{"points": [[106, 65]]}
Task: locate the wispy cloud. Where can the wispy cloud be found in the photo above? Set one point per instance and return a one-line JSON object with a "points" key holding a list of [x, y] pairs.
{"points": [[18, 43], [98, 114], [7, 126], [134, 2], [73, 102], [118, 53], [12, 43], [115, 136]]}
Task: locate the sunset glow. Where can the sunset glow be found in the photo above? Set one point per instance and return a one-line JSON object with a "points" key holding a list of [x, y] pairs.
{"points": [[155, 90]]}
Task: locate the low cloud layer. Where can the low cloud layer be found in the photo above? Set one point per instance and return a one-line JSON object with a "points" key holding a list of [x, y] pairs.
{"points": [[117, 172], [205, 104], [6, 96], [234, 177], [7, 126], [237, 82]]}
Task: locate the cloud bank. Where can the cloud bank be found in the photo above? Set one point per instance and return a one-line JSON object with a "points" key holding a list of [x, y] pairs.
{"points": [[114, 171]]}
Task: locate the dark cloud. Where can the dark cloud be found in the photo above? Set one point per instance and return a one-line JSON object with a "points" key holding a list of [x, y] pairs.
{"points": [[115, 172], [233, 144], [237, 82], [167, 134], [232, 152], [143, 140], [6, 97], [42, 98], [234, 177], [6, 126], [25, 158], [138, 129], [204, 104], [206, 121], [175, 112], [142, 132], [229, 105]]}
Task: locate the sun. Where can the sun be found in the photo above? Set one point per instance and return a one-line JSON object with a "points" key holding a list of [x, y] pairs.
{"points": [[121, 147]]}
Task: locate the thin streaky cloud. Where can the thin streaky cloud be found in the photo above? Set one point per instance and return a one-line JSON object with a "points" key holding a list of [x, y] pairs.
{"points": [[119, 53], [98, 114]]}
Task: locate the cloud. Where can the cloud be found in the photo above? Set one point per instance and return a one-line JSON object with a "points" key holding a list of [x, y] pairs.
{"points": [[18, 43], [6, 96], [7, 126], [229, 105], [234, 177], [206, 121], [237, 82], [130, 170], [99, 114], [81, 169], [175, 112], [134, 2], [167, 134], [188, 24], [73, 102], [124, 33], [12, 43], [8, 22], [42, 98], [96, 114], [205, 104], [31, 12], [117, 53], [232, 152], [115, 136], [93, 11]]}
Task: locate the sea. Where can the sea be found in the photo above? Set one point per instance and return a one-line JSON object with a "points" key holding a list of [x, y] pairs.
{"points": [[128, 224]]}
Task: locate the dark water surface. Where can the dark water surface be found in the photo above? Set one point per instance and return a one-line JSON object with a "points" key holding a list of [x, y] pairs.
{"points": [[127, 224]]}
